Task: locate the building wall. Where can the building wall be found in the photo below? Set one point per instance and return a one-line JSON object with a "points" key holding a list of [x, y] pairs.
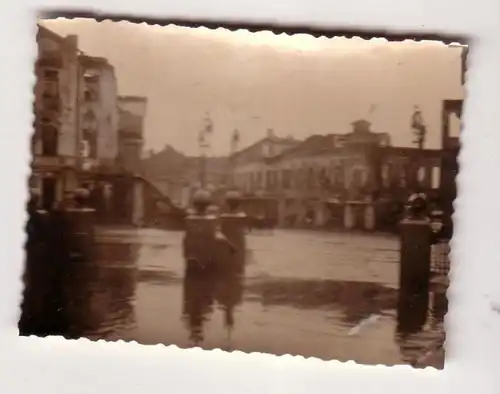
{"points": [[68, 135], [177, 190], [132, 111], [56, 138], [134, 104], [304, 178], [64, 51], [99, 110], [107, 146]]}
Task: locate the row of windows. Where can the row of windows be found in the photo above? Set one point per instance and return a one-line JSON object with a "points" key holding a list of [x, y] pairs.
{"points": [[288, 178], [309, 178]]}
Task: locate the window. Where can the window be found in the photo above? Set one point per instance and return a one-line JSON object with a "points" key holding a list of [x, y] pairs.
{"points": [[402, 177], [339, 176], [323, 178], [49, 140], [87, 95], [421, 175], [47, 94], [51, 103], [286, 179], [436, 177], [268, 180], [49, 88], [357, 177], [51, 75], [310, 178], [385, 175], [89, 143]]}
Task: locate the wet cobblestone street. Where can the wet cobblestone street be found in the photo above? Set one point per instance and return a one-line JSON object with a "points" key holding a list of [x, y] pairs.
{"points": [[325, 295]]}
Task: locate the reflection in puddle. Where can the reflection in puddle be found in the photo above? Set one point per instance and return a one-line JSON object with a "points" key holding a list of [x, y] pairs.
{"points": [[330, 318], [357, 300]]}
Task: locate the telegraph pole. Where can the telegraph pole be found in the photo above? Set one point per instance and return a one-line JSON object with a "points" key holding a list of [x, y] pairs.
{"points": [[204, 145], [235, 139], [419, 128]]}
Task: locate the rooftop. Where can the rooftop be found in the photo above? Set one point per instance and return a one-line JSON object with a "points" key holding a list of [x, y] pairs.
{"points": [[43, 31], [133, 98], [270, 138]]}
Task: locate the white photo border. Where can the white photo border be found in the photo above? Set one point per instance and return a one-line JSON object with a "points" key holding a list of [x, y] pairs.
{"points": [[55, 365]]}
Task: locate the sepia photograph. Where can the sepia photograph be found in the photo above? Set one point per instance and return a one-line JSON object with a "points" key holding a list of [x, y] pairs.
{"points": [[236, 190]]}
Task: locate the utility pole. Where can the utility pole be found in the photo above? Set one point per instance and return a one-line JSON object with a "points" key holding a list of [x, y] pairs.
{"points": [[235, 139], [204, 145], [419, 128]]}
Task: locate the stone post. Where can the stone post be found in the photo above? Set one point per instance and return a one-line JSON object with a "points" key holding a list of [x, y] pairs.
{"points": [[414, 273], [199, 241]]}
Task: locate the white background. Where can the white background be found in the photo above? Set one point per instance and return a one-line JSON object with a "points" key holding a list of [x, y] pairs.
{"points": [[56, 366]]}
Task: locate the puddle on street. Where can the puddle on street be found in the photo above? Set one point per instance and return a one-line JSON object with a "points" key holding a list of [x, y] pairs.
{"points": [[139, 292]]}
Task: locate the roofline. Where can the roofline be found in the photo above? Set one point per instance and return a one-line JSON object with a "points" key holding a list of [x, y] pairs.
{"points": [[50, 33], [101, 61], [280, 139], [408, 149], [133, 98]]}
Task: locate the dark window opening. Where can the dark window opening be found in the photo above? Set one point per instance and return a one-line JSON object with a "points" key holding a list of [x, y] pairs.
{"points": [[49, 141], [287, 179], [310, 178], [89, 95], [51, 104], [51, 75], [49, 192], [90, 137]]}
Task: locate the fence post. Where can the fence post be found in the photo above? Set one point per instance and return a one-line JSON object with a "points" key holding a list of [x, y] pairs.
{"points": [[199, 240], [414, 273]]}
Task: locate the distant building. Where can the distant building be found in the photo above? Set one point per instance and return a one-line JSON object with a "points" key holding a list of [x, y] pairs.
{"points": [[178, 176], [56, 139], [247, 167], [132, 112], [310, 179]]}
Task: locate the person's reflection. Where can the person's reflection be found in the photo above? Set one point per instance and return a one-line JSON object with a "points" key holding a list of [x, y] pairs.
{"points": [[439, 308], [413, 306], [198, 304], [222, 287], [229, 294], [412, 315]]}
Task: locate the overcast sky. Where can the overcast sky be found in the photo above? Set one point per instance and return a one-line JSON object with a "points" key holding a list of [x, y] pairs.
{"points": [[297, 85]]}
